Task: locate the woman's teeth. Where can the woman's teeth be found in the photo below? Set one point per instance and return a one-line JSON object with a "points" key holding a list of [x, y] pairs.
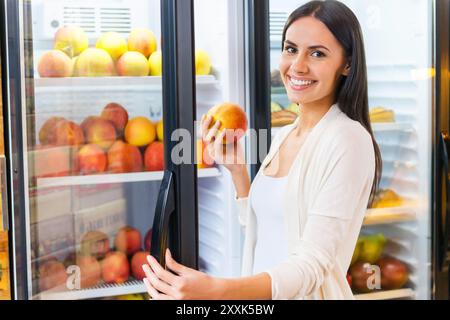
{"points": [[301, 82]]}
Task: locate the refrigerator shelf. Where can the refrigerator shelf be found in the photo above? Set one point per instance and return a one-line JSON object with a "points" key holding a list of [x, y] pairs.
{"points": [[389, 215], [105, 83], [100, 291], [114, 178], [394, 126], [387, 295]]}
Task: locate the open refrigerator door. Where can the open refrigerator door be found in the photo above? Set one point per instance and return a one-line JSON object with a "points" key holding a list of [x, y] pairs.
{"points": [[396, 235]]}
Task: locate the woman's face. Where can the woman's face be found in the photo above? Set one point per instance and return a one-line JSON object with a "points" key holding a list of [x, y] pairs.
{"points": [[312, 63]]}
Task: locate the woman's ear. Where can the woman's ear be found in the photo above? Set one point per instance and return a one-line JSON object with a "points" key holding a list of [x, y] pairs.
{"points": [[347, 68]]}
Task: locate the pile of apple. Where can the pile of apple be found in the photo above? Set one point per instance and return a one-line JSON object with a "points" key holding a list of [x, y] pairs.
{"points": [[113, 55], [98, 262], [394, 274], [106, 143]]}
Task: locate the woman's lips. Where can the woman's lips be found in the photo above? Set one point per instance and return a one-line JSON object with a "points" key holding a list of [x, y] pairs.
{"points": [[297, 86]]}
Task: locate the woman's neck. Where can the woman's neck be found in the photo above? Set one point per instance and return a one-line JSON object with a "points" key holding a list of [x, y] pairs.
{"points": [[310, 116]]}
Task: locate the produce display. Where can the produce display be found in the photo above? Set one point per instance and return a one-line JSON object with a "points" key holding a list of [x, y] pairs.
{"points": [[109, 143], [98, 261], [381, 115], [367, 257], [112, 55], [283, 118], [387, 198]]}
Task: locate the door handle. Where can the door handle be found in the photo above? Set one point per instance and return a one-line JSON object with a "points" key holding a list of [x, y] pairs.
{"points": [[4, 191], [444, 241], [164, 209]]}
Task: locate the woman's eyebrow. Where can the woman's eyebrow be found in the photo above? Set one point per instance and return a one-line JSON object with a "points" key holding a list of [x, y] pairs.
{"points": [[310, 47]]}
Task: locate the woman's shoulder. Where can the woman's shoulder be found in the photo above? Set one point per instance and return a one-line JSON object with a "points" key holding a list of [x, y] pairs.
{"points": [[346, 130]]}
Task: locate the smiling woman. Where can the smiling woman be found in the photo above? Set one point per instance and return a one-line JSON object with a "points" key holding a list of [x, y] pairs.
{"points": [[304, 210]]}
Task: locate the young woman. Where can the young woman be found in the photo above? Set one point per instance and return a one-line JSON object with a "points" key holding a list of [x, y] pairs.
{"points": [[304, 210]]}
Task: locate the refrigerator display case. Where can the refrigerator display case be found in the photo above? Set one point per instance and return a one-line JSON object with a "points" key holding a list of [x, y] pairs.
{"points": [[71, 212]]}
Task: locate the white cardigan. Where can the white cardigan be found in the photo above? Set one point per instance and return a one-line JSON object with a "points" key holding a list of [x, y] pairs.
{"points": [[330, 180]]}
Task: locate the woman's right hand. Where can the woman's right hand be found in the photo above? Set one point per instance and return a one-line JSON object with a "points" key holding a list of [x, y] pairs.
{"points": [[231, 156]]}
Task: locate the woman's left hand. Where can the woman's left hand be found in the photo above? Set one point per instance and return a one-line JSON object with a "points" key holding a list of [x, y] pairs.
{"points": [[182, 283]]}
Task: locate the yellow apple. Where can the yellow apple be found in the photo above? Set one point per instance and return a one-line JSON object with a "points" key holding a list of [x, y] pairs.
{"points": [[160, 130], [202, 63], [72, 40], [155, 62], [113, 43]]}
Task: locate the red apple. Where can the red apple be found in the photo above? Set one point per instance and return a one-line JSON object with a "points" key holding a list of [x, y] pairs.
{"points": [[68, 133], [47, 134], [90, 271], [394, 273], [123, 158], [91, 159], [115, 268], [360, 273], [100, 131], [95, 243], [154, 157], [52, 274], [138, 260], [117, 114], [128, 240]]}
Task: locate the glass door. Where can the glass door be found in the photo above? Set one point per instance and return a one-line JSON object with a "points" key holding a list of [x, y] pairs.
{"points": [[399, 52], [93, 144]]}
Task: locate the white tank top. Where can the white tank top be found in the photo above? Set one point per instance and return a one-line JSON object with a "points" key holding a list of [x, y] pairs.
{"points": [[267, 201]]}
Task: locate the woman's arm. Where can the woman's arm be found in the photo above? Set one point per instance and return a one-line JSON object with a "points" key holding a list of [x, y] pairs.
{"points": [[241, 180], [258, 287], [182, 283]]}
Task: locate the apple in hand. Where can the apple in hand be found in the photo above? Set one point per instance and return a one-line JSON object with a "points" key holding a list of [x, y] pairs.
{"points": [[232, 118]]}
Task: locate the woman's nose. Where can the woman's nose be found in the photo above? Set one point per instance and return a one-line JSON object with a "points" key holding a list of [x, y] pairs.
{"points": [[300, 64]]}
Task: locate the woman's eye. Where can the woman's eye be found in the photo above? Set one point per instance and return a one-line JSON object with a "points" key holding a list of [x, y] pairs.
{"points": [[289, 49], [318, 54]]}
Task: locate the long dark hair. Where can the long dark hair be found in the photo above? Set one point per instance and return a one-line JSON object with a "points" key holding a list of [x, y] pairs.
{"points": [[352, 91]]}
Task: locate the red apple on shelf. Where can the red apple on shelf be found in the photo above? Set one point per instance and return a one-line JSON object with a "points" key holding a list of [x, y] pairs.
{"points": [[91, 159], [138, 260], [96, 244], [360, 273], [55, 64], [90, 271], [47, 133], [128, 240], [123, 158], [115, 268], [52, 274], [117, 114], [148, 240], [394, 273], [154, 157], [68, 133], [100, 131]]}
